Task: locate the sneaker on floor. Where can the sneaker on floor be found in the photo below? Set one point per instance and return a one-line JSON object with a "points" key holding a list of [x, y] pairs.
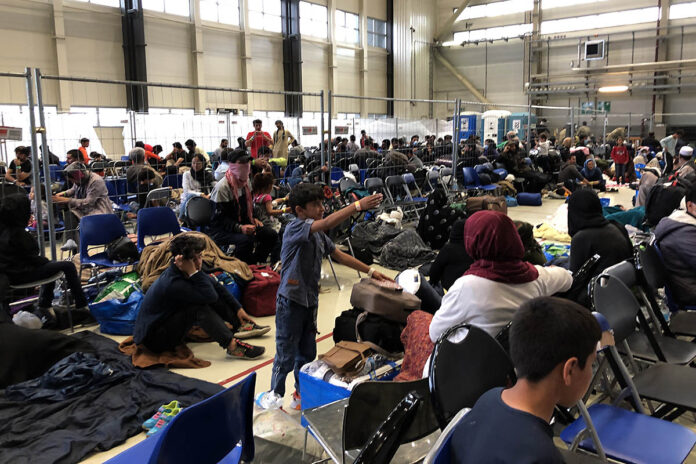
{"points": [[245, 351], [251, 330], [47, 316], [163, 421], [269, 400], [296, 402], [165, 408]]}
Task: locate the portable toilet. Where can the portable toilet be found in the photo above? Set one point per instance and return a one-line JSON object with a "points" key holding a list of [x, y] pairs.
{"points": [[469, 124], [519, 122], [494, 123]]}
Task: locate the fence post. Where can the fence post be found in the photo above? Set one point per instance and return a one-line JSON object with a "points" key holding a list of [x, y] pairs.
{"points": [[529, 123], [36, 179], [572, 126], [604, 130], [228, 125], [396, 124], [455, 143], [321, 127], [628, 132], [328, 134], [46, 169]]}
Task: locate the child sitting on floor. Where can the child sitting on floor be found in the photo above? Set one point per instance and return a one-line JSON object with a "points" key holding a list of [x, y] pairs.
{"points": [[553, 343], [304, 246]]}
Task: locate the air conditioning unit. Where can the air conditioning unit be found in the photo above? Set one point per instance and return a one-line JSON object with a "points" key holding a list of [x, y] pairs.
{"points": [[594, 50]]}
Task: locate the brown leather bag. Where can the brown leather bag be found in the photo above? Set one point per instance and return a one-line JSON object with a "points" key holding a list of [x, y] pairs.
{"points": [[484, 203], [346, 357], [385, 299]]}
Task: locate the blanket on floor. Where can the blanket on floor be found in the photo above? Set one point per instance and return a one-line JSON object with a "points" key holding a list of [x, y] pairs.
{"points": [[67, 431]]}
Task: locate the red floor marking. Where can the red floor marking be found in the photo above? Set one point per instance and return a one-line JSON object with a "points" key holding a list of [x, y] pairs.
{"points": [[263, 364]]}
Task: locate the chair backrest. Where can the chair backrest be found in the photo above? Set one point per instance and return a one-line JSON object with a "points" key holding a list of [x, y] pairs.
{"points": [[99, 229], [173, 180], [199, 211], [398, 188], [10, 188], [614, 300], [371, 402], [157, 221], [461, 372], [336, 174], [159, 195], [347, 183], [374, 184], [650, 263], [440, 452], [625, 271], [111, 190], [207, 431], [469, 176]]}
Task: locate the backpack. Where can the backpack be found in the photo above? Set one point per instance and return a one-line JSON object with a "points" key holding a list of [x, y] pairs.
{"points": [[259, 297], [663, 200], [382, 334], [122, 250], [385, 299]]}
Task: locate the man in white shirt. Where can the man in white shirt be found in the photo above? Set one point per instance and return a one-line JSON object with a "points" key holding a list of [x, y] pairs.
{"points": [[669, 148]]}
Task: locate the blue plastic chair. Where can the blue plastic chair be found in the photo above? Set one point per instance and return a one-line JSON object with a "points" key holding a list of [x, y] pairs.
{"points": [[502, 173], [206, 433], [173, 181], [154, 222], [473, 182], [288, 173], [441, 452], [336, 175], [99, 230]]}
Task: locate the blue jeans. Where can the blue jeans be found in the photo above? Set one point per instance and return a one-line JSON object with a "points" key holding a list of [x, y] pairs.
{"points": [[296, 330], [620, 172]]}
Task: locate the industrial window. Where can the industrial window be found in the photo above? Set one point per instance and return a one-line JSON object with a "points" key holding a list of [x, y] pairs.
{"points": [[175, 7], [314, 20], [600, 21], [347, 27], [265, 15], [493, 33], [376, 33], [220, 11], [548, 4], [113, 3], [682, 11], [490, 10]]}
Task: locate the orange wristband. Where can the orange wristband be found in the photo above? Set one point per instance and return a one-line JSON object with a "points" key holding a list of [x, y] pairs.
{"points": [[357, 206]]}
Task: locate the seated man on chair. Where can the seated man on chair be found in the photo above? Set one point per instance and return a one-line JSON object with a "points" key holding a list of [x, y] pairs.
{"points": [[553, 343], [184, 296], [676, 238]]}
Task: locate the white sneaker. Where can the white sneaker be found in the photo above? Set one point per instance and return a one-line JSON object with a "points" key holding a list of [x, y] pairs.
{"points": [[269, 400]]}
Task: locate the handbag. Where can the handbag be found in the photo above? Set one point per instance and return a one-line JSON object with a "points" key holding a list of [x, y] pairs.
{"points": [[385, 299], [117, 317], [122, 250], [346, 357]]}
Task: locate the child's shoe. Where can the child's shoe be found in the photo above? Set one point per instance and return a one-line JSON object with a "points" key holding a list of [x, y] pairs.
{"points": [[269, 400], [163, 421], [165, 408], [296, 402]]}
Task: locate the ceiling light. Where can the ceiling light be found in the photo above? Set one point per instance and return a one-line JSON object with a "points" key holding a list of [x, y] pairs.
{"points": [[613, 89]]}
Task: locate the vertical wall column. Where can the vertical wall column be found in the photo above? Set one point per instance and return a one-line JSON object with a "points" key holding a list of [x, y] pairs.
{"points": [[64, 95], [658, 104], [247, 78], [333, 66], [292, 55], [199, 96], [390, 57], [135, 64], [364, 60]]}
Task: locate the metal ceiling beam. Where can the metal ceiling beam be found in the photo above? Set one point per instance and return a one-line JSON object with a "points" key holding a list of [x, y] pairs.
{"points": [[467, 83], [447, 26]]}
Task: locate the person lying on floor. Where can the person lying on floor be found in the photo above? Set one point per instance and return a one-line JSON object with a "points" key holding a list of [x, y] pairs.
{"points": [[183, 296], [21, 261], [553, 345], [491, 290]]}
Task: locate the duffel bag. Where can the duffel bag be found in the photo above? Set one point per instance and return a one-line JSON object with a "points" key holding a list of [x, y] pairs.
{"points": [[383, 335], [529, 199], [117, 317], [486, 203], [259, 297], [385, 299]]}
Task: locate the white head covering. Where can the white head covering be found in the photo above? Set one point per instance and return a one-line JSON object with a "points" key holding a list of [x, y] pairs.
{"points": [[686, 151]]}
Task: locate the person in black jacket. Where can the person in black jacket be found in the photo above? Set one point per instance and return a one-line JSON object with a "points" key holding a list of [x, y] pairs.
{"points": [[184, 296], [22, 263], [453, 260], [591, 233], [234, 222]]}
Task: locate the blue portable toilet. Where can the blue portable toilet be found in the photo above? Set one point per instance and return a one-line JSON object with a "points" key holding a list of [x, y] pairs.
{"points": [[519, 122], [469, 124]]}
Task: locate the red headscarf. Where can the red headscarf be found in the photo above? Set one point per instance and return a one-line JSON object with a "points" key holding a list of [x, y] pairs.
{"points": [[237, 176], [491, 239]]}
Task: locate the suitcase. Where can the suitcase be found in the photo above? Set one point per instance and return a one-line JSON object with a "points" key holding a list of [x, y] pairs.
{"points": [[385, 299], [486, 203], [259, 298]]}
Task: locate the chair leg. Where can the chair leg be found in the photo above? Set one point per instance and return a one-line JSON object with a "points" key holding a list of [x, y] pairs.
{"points": [[334, 273], [352, 253]]}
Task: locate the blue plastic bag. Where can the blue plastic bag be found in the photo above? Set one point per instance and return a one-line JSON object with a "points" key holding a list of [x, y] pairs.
{"points": [[117, 317], [511, 201]]}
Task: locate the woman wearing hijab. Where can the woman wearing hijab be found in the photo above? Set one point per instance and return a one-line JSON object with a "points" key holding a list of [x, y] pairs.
{"points": [[452, 260], [196, 182], [532, 250], [21, 262], [591, 233], [234, 222], [593, 175], [498, 281]]}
